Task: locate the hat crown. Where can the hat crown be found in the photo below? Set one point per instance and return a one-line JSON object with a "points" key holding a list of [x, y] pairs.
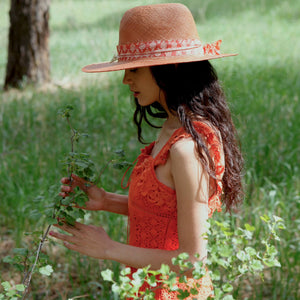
{"points": [[169, 21], [158, 34]]}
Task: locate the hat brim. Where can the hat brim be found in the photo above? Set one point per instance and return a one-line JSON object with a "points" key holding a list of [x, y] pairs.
{"points": [[147, 62]]}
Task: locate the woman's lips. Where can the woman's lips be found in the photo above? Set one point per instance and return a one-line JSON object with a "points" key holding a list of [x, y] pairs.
{"points": [[135, 93]]}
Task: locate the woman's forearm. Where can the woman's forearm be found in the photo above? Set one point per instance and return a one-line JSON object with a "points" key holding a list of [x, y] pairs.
{"points": [[137, 257], [116, 203]]}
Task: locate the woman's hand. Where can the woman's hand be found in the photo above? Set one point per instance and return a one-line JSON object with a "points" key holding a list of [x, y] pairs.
{"points": [[86, 239], [95, 194]]}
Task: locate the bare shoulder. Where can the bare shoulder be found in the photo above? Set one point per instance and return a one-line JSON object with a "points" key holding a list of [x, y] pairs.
{"points": [[183, 149]]}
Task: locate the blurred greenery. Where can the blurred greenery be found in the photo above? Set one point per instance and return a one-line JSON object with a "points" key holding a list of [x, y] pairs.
{"points": [[262, 85]]}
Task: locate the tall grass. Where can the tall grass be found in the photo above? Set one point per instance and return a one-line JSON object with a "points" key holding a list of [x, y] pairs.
{"points": [[262, 86]]}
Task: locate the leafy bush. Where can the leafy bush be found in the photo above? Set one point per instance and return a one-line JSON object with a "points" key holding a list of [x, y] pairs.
{"points": [[230, 258]]}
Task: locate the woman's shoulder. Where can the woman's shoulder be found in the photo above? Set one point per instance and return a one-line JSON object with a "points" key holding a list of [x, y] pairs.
{"points": [[204, 128], [183, 147]]}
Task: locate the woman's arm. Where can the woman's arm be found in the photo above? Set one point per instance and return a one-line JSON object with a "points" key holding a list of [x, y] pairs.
{"points": [[116, 203], [191, 183]]}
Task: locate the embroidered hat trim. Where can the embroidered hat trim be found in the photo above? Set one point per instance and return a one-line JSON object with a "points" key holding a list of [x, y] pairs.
{"points": [[166, 48]]}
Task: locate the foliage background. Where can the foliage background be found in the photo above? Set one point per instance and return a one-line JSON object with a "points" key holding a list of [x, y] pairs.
{"points": [[262, 85]]}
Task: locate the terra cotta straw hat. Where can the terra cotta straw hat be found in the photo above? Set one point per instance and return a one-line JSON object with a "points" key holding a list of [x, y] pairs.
{"points": [[157, 34]]}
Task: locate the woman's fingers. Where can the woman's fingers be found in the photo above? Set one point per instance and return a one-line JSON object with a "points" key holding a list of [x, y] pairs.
{"points": [[73, 231], [67, 227], [61, 236], [81, 183], [71, 183], [86, 239], [65, 191], [68, 187], [65, 180]]}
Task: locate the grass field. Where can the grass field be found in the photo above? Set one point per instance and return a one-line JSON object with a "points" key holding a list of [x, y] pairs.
{"points": [[262, 85]]}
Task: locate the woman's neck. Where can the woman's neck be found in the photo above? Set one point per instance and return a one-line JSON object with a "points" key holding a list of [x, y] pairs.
{"points": [[172, 122], [169, 126]]}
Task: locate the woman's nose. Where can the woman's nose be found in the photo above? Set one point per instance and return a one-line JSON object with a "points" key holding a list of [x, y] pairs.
{"points": [[126, 78]]}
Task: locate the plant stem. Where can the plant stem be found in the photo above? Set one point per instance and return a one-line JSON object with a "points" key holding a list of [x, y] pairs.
{"points": [[72, 146], [27, 278], [82, 296]]}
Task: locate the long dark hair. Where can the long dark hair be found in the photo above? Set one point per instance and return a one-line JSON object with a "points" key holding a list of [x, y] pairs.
{"points": [[192, 91]]}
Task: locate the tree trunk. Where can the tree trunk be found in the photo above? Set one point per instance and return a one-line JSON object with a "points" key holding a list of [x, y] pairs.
{"points": [[28, 53]]}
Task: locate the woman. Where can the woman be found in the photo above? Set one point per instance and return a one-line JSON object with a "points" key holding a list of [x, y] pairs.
{"points": [[178, 180]]}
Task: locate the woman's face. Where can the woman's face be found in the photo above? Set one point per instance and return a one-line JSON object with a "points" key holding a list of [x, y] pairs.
{"points": [[143, 86]]}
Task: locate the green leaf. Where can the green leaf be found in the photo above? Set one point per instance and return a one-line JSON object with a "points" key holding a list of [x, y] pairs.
{"points": [[70, 220], [164, 269], [79, 213], [241, 255], [124, 279], [115, 288], [199, 270], [227, 287], [246, 233], [51, 221], [218, 293], [278, 219], [152, 281], [225, 250], [182, 279], [272, 250], [194, 291], [125, 271], [120, 152], [171, 280], [21, 251], [6, 285], [11, 293], [265, 218], [257, 265], [138, 277], [215, 275], [183, 256], [20, 287], [179, 260], [66, 201], [46, 270], [249, 227], [107, 275], [8, 259], [271, 262], [137, 282], [243, 269], [182, 294], [251, 251]]}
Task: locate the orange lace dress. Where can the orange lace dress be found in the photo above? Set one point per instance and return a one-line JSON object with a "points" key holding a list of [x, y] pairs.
{"points": [[152, 206]]}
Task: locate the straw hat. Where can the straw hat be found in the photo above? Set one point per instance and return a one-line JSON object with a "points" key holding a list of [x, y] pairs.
{"points": [[157, 34]]}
